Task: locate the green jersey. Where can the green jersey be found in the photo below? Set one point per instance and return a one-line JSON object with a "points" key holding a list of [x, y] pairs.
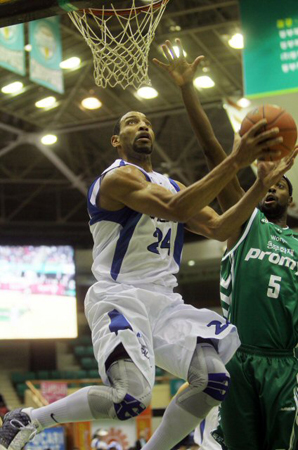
{"points": [[259, 284]]}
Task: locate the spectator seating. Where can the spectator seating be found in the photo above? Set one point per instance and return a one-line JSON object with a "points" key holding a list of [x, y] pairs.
{"points": [[19, 378], [83, 352]]}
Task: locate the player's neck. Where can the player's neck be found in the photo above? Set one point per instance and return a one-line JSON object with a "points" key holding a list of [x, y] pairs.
{"points": [[280, 221], [143, 161]]}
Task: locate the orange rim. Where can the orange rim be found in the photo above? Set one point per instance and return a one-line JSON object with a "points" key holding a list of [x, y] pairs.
{"points": [[125, 12]]}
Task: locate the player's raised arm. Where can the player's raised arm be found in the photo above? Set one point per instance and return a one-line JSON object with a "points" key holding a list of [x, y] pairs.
{"points": [[127, 186], [183, 74], [228, 225]]}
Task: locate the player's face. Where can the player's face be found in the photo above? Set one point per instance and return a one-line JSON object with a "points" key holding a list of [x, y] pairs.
{"points": [[277, 200], [136, 134]]}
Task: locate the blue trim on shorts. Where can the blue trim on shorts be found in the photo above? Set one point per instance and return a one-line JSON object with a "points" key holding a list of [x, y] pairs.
{"points": [[202, 429], [118, 322]]}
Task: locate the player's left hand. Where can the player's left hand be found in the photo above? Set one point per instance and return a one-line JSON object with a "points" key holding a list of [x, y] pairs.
{"points": [[270, 172], [179, 69]]}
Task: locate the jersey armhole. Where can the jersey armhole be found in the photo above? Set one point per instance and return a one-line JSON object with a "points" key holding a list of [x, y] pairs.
{"points": [[94, 189], [243, 235], [97, 213], [174, 184]]}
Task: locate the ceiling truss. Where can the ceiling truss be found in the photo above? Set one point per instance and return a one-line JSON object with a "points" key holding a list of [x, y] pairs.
{"points": [[44, 189]]}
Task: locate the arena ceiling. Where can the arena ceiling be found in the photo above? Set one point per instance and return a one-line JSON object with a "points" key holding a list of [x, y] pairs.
{"points": [[42, 189]]}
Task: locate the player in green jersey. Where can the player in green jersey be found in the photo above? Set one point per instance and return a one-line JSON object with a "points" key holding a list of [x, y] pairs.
{"points": [[263, 261], [259, 294]]}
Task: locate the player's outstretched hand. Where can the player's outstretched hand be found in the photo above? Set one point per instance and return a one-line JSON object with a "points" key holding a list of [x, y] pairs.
{"points": [[179, 69], [271, 172], [256, 144]]}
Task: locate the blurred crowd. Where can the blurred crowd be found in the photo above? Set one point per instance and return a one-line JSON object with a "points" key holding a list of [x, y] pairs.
{"points": [[99, 442]]}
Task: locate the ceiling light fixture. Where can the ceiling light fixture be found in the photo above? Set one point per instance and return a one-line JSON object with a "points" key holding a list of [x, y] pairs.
{"points": [[70, 63], [243, 102], [147, 92], [28, 48], [91, 103], [13, 88], [203, 82], [236, 41], [191, 263], [46, 102], [49, 139], [175, 28]]}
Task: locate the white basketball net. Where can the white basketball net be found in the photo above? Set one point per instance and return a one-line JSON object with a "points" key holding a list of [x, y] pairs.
{"points": [[119, 43]]}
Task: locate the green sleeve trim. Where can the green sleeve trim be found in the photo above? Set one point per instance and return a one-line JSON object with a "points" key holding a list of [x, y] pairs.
{"points": [[225, 306]]}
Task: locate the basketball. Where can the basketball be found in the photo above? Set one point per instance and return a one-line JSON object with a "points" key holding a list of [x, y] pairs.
{"points": [[276, 117]]}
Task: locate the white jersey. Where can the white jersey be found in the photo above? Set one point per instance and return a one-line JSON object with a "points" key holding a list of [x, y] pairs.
{"points": [[203, 436], [134, 248]]}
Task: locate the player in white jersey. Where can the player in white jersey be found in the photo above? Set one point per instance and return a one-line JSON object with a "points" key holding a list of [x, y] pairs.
{"points": [[137, 321], [146, 237]]}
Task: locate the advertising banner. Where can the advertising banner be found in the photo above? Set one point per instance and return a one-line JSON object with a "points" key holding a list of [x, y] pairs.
{"points": [[270, 55], [46, 53], [144, 424], [12, 53], [49, 439], [82, 435], [53, 390]]}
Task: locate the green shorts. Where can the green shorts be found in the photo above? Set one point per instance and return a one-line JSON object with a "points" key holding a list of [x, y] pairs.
{"points": [[261, 408]]}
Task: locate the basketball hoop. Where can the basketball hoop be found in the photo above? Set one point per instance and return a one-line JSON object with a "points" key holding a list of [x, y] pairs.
{"points": [[120, 41]]}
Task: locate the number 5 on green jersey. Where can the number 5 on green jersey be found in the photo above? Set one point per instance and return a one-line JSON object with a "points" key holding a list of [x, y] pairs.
{"points": [[274, 286]]}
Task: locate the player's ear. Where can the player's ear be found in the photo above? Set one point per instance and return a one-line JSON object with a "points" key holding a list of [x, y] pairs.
{"points": [[290, 199], [115, 141]]}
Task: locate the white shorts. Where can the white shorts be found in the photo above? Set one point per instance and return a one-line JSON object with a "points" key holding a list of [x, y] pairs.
{"points": [[203, 436], [155, 327]]}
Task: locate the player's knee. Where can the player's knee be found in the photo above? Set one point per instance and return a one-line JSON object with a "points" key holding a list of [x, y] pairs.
{"points": [[208, 374], [132, 405], [131, 390], [218, 386], [198, 370]]}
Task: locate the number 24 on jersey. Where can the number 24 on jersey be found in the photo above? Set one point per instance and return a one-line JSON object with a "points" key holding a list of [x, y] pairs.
{"points": [[161, 242]]}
